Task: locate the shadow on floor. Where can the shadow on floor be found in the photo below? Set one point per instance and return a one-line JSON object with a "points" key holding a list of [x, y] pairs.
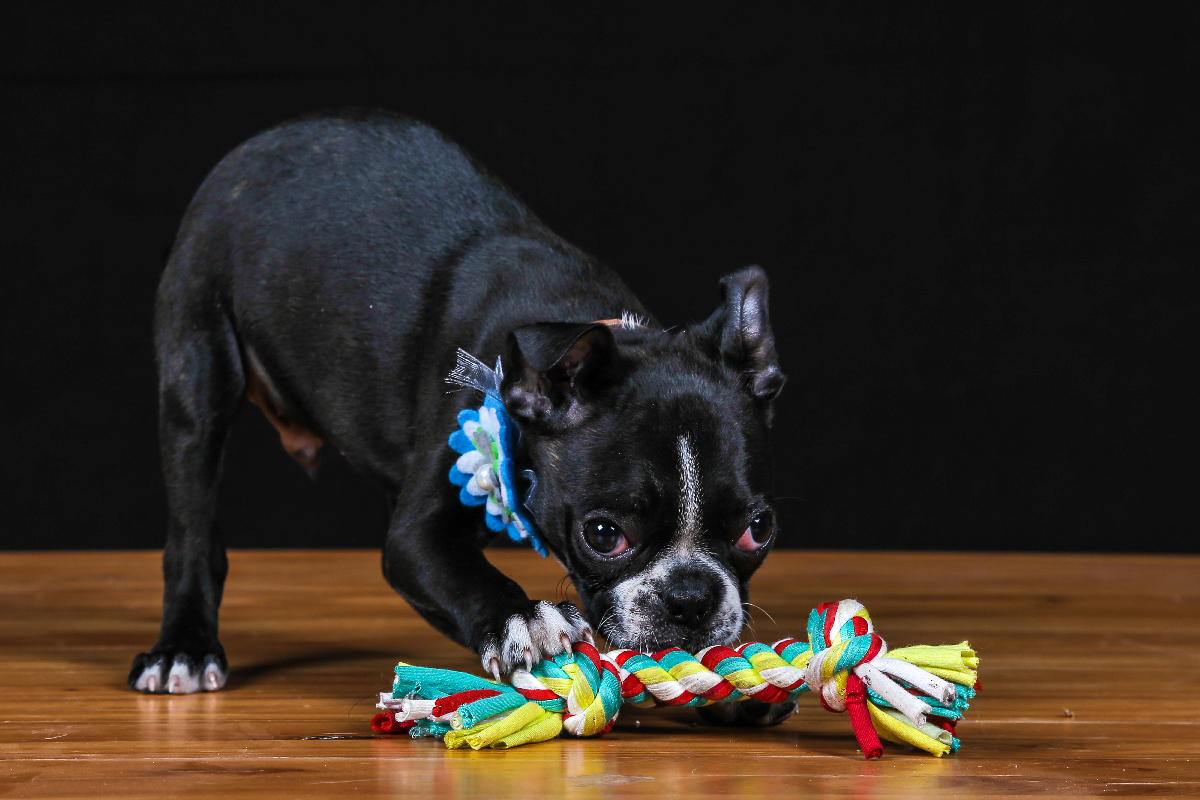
{"points": [[241, 675]]}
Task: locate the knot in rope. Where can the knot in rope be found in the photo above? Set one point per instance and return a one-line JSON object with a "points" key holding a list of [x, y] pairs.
{"points": [[841, 638], [583, 685]]}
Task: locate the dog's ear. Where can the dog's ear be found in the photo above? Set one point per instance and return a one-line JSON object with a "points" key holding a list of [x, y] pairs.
{"points": [[555, 366], [739, 333]]}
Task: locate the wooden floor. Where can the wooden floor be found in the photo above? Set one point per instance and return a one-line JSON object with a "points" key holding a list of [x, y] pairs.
{"points": [[1091, 685]]}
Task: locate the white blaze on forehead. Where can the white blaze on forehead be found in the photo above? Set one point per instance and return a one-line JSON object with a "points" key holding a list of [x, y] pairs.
{"points": [[689, 489], [636, 598]]}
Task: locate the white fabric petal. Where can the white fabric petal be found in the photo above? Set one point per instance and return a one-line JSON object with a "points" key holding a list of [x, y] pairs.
{"points": [[473, 488], [469, 462], [489, 421]]}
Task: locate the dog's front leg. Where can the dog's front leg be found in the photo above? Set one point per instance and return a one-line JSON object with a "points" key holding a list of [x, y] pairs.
{"points": [[434, 558]]}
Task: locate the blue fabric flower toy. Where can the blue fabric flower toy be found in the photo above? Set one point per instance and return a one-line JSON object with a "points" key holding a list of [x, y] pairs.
{"points": [[487, 441]]}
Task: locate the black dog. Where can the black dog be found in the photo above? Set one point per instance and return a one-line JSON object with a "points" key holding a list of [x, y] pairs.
{"points": [[328, 270]]}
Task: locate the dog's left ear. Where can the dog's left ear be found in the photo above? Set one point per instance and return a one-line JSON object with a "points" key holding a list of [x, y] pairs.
{"points": [[556, 367], [739, 333]]}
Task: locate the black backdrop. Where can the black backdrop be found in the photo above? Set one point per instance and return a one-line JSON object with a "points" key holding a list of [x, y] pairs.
{"points": [[980, 228]]}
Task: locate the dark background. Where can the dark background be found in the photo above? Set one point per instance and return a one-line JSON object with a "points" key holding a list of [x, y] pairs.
{"points": [[980, 227]]}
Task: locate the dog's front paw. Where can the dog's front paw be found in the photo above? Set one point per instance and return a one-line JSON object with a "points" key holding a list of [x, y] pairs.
{"points": [[544, 631], [164, 671]]}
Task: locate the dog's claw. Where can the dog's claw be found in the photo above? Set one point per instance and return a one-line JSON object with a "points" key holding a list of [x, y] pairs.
{"points": [[543, 631], [152, 684]]}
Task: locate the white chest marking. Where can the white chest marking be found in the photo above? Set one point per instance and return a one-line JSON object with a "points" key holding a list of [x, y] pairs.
{"points": [[689, 490]]}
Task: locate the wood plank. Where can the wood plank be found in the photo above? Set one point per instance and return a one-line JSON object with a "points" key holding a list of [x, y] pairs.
{"points": [[312, 637]]}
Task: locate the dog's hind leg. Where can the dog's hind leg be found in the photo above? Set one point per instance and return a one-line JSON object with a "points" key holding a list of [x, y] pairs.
{"points": [[201, 386]]}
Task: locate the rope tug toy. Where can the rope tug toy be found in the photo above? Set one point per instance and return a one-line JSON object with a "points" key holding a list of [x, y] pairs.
{"points": [[914, 695]]}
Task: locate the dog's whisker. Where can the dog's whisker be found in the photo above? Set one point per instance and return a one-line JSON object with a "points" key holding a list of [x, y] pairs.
{"points": [[560, 591], [760, 608], [602, 625]]}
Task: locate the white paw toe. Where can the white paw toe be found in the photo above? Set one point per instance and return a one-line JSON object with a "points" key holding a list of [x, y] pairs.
{"points": [[550, 630], [517, 647], [149, 680], [181, 680], [545, 633], [582, 632], [214, 677]]}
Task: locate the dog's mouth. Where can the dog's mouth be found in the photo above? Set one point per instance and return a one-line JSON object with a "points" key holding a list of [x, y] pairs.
{"points": [[643, 622], [687, 600], [653, 638]]}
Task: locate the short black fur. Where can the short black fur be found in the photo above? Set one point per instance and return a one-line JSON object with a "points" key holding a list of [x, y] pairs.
{"points": [[339, 262]]}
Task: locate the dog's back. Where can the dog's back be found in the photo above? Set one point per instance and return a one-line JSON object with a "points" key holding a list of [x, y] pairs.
{"points": [[351, 255]]}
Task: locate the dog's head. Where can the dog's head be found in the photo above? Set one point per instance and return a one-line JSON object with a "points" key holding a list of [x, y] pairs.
{"points": [[654, 473]]}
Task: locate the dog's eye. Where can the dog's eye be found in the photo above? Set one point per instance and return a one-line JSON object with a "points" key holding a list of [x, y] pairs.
{"points": [[605, 537], [756, 535]]}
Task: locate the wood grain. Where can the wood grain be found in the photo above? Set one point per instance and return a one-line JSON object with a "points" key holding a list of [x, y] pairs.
{"points": [[1091, 685]]}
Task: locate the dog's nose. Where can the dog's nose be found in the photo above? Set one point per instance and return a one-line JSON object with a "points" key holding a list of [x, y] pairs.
{"points": [[687, 600]]}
